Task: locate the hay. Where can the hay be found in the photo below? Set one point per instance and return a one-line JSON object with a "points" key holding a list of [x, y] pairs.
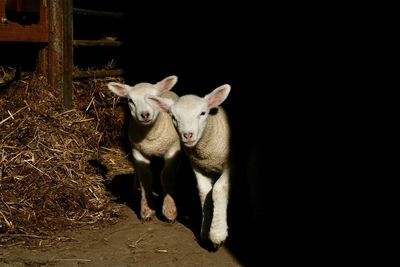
{"points": [[46, 181], [108, 110], [7, 74]]}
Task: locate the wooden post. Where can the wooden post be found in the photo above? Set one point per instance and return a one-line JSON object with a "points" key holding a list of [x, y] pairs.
{"points": [[68, 53], [43, 61], [60, 48]]}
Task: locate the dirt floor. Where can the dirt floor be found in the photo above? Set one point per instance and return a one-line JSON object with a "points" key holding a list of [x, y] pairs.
{"points": [[126, 243]]}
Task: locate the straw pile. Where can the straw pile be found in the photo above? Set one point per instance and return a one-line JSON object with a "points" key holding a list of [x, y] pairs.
{"points": [[47, 183]]}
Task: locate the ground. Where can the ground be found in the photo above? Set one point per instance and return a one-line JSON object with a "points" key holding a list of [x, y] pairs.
{"points": [[129, 241], [126, 243]]}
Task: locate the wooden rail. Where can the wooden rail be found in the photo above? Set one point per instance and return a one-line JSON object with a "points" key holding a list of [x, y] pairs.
{"points": [[89, 12], [97, 43], [97, 73]]}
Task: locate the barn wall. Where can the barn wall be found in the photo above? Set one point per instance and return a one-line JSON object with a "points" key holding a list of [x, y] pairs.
{"points": [[24, 21]]}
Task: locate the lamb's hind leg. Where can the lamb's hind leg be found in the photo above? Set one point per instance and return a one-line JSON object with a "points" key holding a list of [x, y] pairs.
{"points": [[168, 181], [142, 168], [220, 194]]}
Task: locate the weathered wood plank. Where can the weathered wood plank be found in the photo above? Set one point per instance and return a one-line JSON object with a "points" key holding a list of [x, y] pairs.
{"points": [[97, 43], [68, 52], [60, 48], [98, 13], [97, 74]]}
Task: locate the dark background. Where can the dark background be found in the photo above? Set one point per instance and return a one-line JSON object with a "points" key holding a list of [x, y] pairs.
{"points": [[275, 61], [271, 64]]}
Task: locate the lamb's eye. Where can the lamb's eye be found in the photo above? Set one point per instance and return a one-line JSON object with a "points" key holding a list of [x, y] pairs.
{"points": [[202, 114]]}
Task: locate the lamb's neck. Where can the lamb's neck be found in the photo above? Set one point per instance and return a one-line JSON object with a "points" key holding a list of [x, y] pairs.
{"points": [[151, 131]]}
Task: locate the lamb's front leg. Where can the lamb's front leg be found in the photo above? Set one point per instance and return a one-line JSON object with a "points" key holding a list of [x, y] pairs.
{"points": [[204, 185], [168, 179], [142, 168], [220, 195]]}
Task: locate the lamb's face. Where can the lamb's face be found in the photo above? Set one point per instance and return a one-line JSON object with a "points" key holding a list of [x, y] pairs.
{"points": [[189, 115], [141, 110]]}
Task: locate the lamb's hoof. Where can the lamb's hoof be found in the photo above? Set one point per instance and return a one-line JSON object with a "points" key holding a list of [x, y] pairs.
{"points": [[218, 237], [171, 221], [147, 215], [146, 219], [170, 218], [210, 246], [217, 246]]}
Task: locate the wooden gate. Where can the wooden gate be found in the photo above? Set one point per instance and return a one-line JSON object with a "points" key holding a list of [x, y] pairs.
{"points": [[50, 25]]}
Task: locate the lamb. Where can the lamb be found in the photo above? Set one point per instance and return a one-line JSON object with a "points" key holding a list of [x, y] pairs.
{"points": [[152, 134], [203, 128]]}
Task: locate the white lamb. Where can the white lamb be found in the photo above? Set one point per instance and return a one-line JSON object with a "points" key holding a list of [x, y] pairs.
{"points": [[203, 128], [152, 134]]}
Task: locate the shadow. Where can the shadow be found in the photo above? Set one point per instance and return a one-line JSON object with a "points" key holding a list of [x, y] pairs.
{"points": [[23, 18], [99, 167], [271, 207], [156, 167], [123, 187], [20, 56], [23, 13], [125, 191], [187, 198], [204, 58]]}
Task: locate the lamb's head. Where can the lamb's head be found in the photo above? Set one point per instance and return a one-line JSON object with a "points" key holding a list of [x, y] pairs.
{"points": [[141, 110], [189, 113]]}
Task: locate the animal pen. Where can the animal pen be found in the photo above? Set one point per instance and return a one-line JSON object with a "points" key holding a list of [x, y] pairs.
{"points": [[49, 25], [58, 126], [65, 159]]}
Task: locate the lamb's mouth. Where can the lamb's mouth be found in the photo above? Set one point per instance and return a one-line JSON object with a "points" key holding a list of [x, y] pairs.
{"points": [[145, 122], [189, 143]]}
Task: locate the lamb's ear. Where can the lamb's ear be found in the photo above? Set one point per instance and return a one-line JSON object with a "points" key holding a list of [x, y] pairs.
{"points": [[119, 88], [216, 97], [163, 104], [167, 83]]}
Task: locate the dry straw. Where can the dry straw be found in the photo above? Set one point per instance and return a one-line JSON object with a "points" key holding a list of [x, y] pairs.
{"points": [[46, 181]]}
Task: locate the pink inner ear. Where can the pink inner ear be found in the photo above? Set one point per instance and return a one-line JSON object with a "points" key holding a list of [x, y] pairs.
{"points": [[159, 104], [212, 103], [215, 99], [122, 91], [119, 89], [166, 84]]}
